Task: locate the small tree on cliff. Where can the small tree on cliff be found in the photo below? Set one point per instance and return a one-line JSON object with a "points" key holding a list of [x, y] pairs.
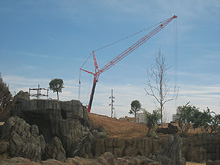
{"points": [[151, 120], [135, 107], [56, 85]]}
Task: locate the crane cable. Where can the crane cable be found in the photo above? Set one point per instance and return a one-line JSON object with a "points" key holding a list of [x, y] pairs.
{"points": [[176, 59], [80, 76], [128, 36]]}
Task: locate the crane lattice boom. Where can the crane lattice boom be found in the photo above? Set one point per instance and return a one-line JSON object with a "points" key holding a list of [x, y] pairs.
{"points": [[122, 55]]}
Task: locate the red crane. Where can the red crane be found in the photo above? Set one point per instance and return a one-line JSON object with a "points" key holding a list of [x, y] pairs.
{"points": [[121, 56]]}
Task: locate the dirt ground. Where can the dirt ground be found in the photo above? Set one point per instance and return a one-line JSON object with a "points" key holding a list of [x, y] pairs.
{"points": [[118, 128]]}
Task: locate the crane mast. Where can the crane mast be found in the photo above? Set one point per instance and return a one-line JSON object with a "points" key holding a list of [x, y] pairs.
{"points": [[121, 56]]}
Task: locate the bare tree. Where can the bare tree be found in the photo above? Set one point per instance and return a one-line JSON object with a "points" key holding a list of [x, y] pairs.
{"points": [[157, 83]]}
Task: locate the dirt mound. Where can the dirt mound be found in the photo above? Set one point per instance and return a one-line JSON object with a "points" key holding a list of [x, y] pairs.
{"points": [[116, 128]]}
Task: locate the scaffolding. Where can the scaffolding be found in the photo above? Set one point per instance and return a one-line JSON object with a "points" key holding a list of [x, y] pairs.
{"points": [[39, 94]]}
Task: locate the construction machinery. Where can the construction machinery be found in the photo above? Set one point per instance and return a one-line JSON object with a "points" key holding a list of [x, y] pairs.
{"points": [[122, 55]]}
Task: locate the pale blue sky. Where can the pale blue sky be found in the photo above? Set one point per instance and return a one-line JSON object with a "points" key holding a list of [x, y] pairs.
{"points": [[46, 39]]}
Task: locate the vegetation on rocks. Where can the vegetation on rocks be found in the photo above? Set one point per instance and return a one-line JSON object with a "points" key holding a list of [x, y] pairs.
{"points": [[56, 85], [191, 116], [152, 121], [5, 100]]}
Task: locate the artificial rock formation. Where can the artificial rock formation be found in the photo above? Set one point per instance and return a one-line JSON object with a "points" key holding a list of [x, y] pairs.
{"points": [[171, 154], [128, 147], [24, 140], [65, 120], [55, 150]]}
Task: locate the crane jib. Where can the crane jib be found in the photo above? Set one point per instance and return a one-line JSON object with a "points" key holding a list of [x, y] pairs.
{"points": [[122, 55]]}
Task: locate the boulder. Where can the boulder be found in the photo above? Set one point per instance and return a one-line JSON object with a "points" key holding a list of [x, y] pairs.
{"points": [[55, 150], [53, 162], [106, 158], [22, 94], [24, 140]]}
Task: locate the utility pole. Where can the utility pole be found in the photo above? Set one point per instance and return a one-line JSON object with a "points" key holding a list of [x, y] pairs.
{"points": [[112, 101]]}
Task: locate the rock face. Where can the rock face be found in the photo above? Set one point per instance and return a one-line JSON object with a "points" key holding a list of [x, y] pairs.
{"points": [[24, 140], [201, 148], [65, 120], [171, 153], [55, 150], [128, 147]]}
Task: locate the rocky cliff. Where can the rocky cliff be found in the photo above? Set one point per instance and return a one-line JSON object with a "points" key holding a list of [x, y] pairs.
{"points": [[66, 120], [25, 141], [128, 147], [201, 147]]}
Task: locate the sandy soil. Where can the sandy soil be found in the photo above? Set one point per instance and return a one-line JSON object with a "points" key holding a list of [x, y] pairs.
{"points": [[119, 128]]}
